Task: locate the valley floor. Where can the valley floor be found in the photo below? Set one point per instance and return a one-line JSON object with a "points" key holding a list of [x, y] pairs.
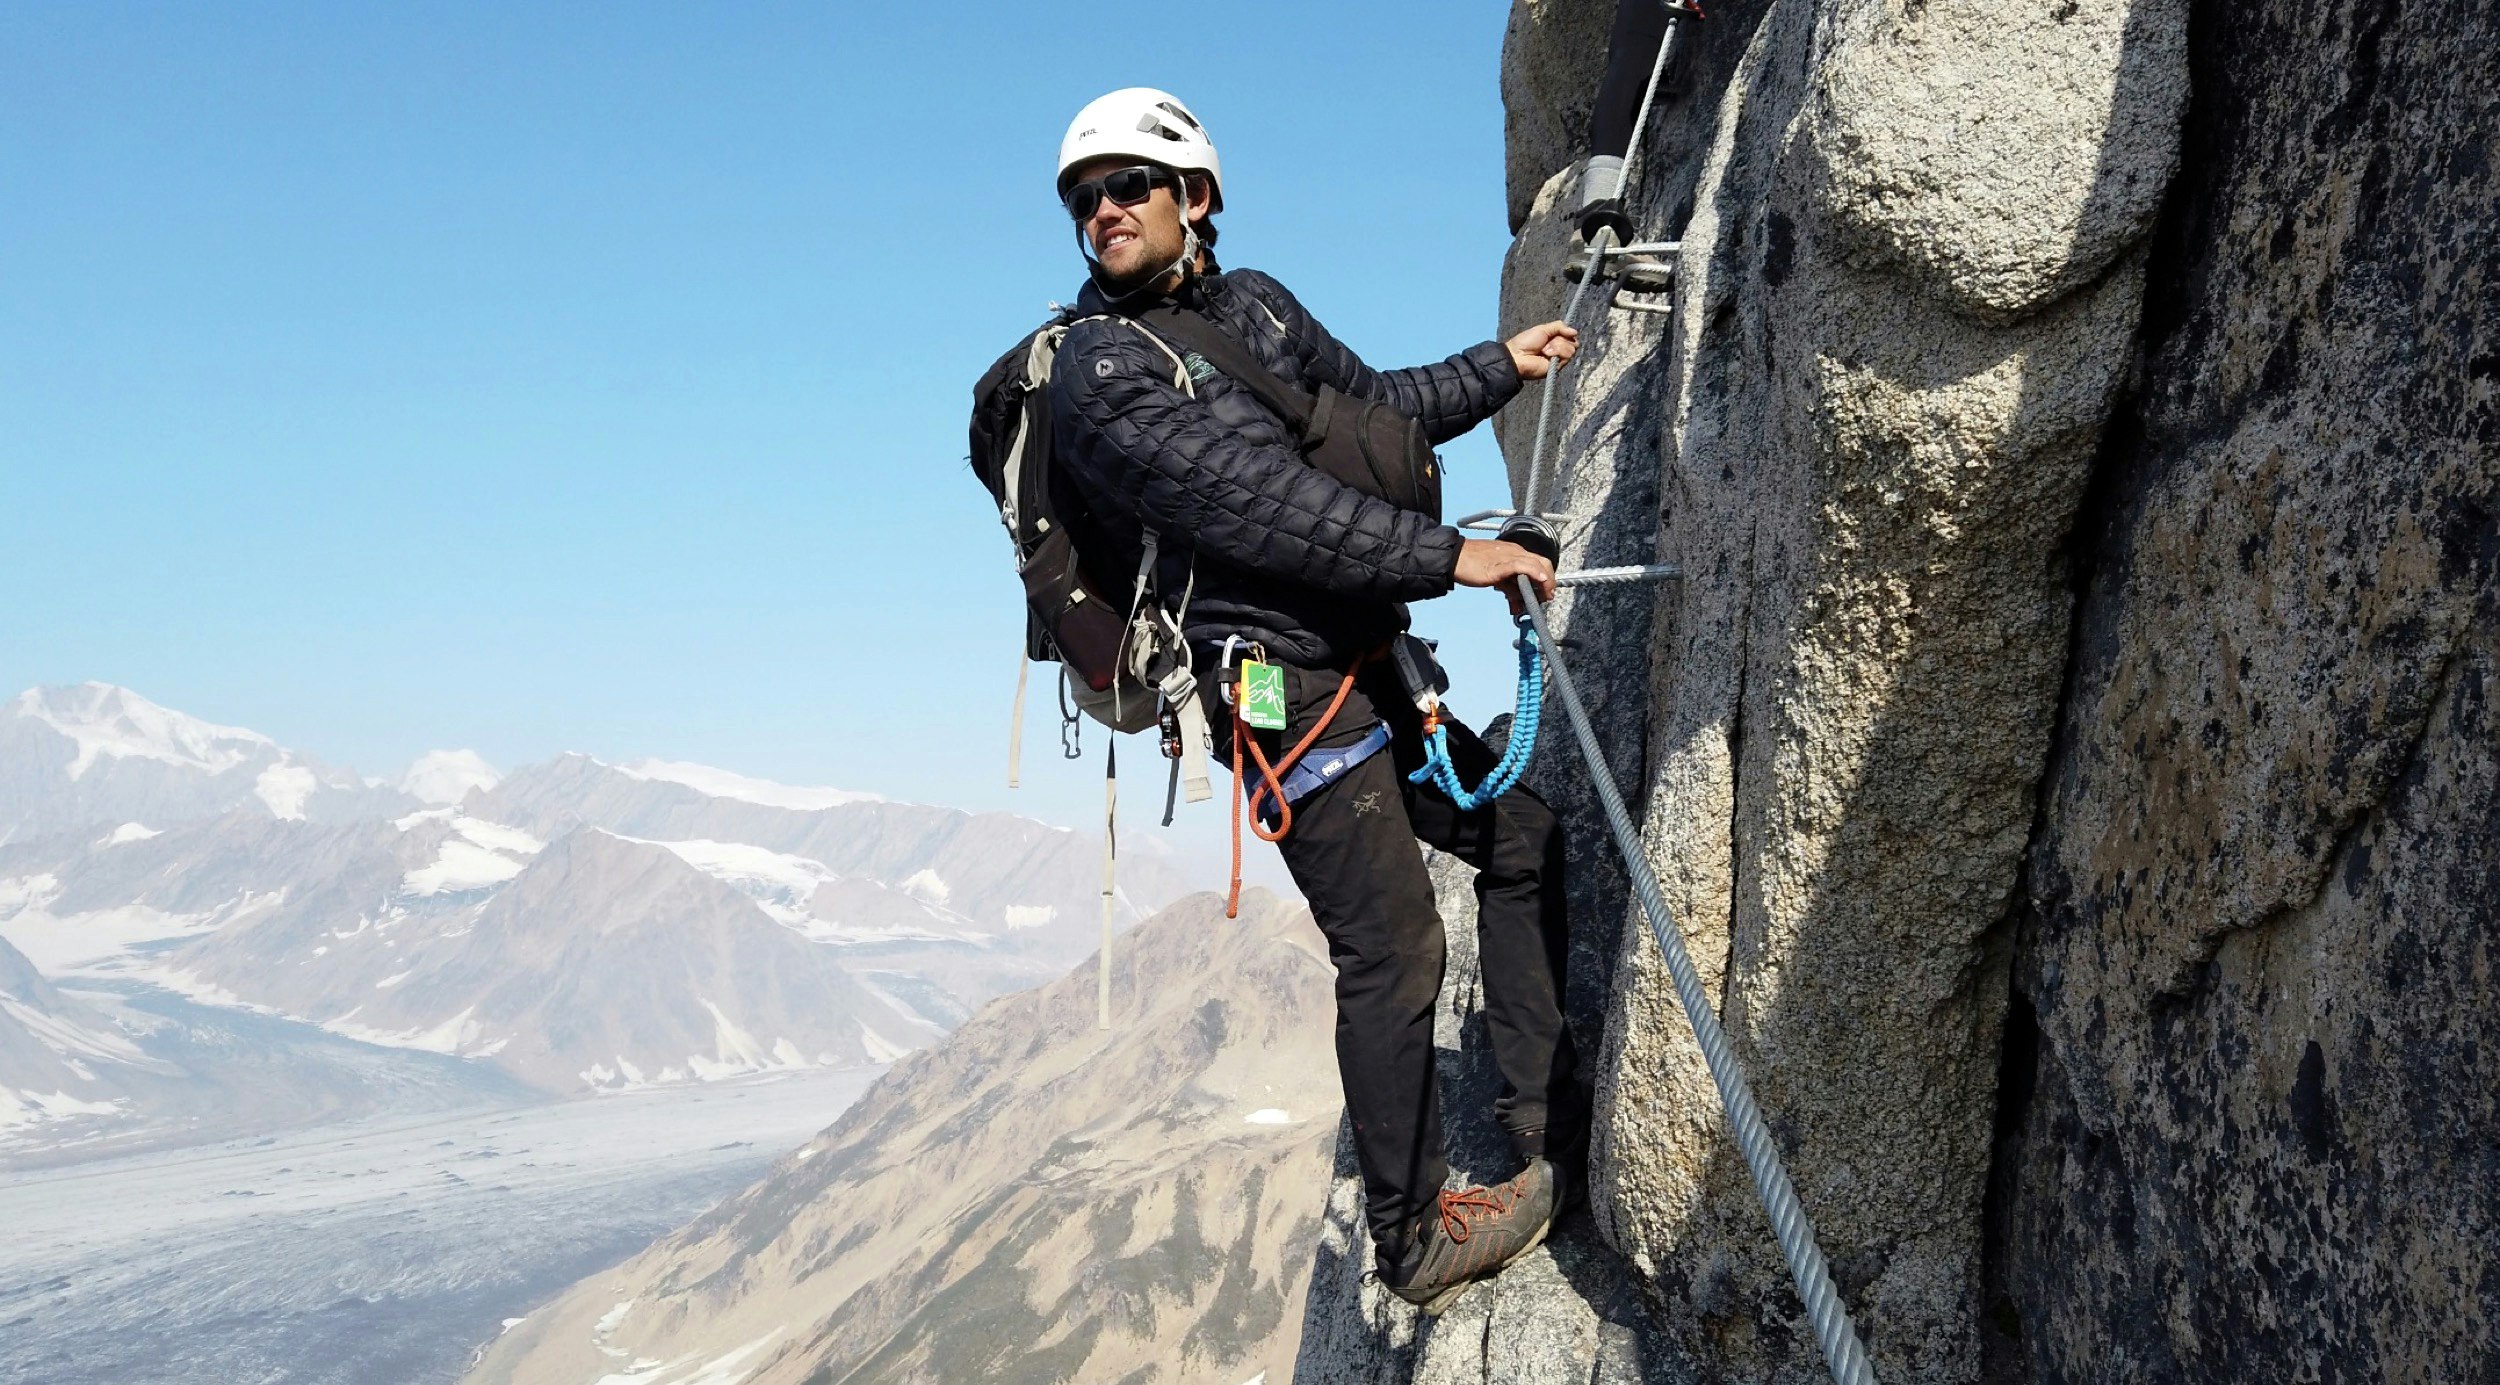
{"points": [[374, 1252]]}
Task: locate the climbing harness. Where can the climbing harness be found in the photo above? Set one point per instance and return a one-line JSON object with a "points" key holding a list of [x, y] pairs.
{"points": [[1271, 798]]}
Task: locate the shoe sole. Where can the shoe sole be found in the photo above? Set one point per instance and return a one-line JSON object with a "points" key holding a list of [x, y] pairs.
{"points": [[1440, 1303]]}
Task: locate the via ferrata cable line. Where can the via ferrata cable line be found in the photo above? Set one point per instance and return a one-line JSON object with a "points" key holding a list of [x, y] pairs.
{"points": [[1843, 1353]]}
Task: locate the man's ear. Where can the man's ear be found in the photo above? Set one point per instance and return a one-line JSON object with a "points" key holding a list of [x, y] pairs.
{"points": [[1201, 196]]}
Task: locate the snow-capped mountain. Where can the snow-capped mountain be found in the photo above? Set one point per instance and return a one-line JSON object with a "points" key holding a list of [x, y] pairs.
{"points": [[896, 880], [446, 776], [577, 925], [591, 961], [104, 757]]}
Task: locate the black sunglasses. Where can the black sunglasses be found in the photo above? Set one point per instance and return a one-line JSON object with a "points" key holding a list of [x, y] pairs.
{"points": [[1125, 186]]}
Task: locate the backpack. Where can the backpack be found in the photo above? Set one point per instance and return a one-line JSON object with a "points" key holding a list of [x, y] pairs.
{"points": [[1363, 443], [1125, 661], [1123, 657]]}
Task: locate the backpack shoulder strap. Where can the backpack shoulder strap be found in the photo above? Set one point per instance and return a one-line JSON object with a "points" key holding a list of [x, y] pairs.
{"points": [[1199, 334], [1180, 368]]}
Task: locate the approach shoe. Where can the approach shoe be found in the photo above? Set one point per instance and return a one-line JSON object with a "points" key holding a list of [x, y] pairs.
{"points": [[1563, 1143], [1478, 1231]]}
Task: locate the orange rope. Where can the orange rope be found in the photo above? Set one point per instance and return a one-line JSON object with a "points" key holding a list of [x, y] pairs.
{"points": [[1271, 778]]}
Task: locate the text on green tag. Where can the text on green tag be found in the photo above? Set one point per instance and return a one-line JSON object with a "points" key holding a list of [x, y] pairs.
{"points": [[1262, 695]]}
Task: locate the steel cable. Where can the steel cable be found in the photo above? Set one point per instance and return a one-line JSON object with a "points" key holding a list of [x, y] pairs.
{"points": [[1830, 1317], [1843, 1353]]}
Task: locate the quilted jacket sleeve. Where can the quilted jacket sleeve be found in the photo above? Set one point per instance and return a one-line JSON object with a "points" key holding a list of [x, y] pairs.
{"points": [[1448, 397], [1132, 438]]}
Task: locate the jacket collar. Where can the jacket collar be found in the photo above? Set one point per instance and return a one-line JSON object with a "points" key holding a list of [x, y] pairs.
{"points": [[1198, 292]]}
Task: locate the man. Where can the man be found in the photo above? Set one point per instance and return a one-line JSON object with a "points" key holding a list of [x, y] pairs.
{"points": [[1278, 555]]}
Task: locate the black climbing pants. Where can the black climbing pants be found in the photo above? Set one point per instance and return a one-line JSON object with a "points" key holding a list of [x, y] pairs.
{"points": [[1352, 851], [1631, 51]]}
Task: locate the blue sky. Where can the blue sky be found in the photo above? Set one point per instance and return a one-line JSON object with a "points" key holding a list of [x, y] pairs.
{"points": [[593, 377]]}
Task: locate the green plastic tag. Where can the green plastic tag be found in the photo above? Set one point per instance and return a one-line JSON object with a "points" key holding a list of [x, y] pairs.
{"points": [[1262, 695]]}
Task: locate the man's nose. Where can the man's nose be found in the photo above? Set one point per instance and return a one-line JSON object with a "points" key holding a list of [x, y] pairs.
{"points": [[1105, 217]]}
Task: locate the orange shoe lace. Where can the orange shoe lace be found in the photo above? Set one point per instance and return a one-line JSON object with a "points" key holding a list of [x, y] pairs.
{"points": [[1462, 1208]]}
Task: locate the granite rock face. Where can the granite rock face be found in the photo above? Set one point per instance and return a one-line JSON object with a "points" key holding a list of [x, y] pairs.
{"points": [[1875, 416], [2086, 497], [1552, 56], [2255, 1133]]}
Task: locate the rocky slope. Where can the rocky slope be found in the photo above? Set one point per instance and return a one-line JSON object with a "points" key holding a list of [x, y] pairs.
{"points": [[1033, 1199], [2069, 751]]}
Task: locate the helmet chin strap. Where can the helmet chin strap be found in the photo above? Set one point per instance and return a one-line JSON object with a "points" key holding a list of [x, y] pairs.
{"points": [[1190, 246]]}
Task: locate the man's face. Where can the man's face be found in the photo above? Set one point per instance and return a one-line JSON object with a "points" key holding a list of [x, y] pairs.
{"points": [[1135, 243]]}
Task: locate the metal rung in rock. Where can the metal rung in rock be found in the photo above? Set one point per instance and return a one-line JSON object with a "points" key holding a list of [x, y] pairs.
{"points": [[1599, 576], [1489, 520]]}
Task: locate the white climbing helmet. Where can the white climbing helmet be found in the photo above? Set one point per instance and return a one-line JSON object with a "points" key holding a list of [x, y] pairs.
{"points": [[1146, 124]]}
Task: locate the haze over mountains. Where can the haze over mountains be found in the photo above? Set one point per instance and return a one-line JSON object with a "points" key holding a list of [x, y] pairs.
{"points": [[577, 926], [1032, 1199]]}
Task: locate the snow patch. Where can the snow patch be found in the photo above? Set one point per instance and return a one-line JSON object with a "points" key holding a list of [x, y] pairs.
{"points": [[21, 1109], [1030, 915], [286, 788], [880, 1049], [737, 1052], [494, 836], [128, 832], [781, 883], [193, 987], [106, 722], [103, 937], [1269, 1115], [69, 1039], [460, 866], [721, 783], [457, 1036], [926, 886], [446, 776], [728, 1368]]}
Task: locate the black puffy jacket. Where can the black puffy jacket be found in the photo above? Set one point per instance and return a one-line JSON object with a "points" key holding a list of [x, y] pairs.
{"points": [[1285, 554]]}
